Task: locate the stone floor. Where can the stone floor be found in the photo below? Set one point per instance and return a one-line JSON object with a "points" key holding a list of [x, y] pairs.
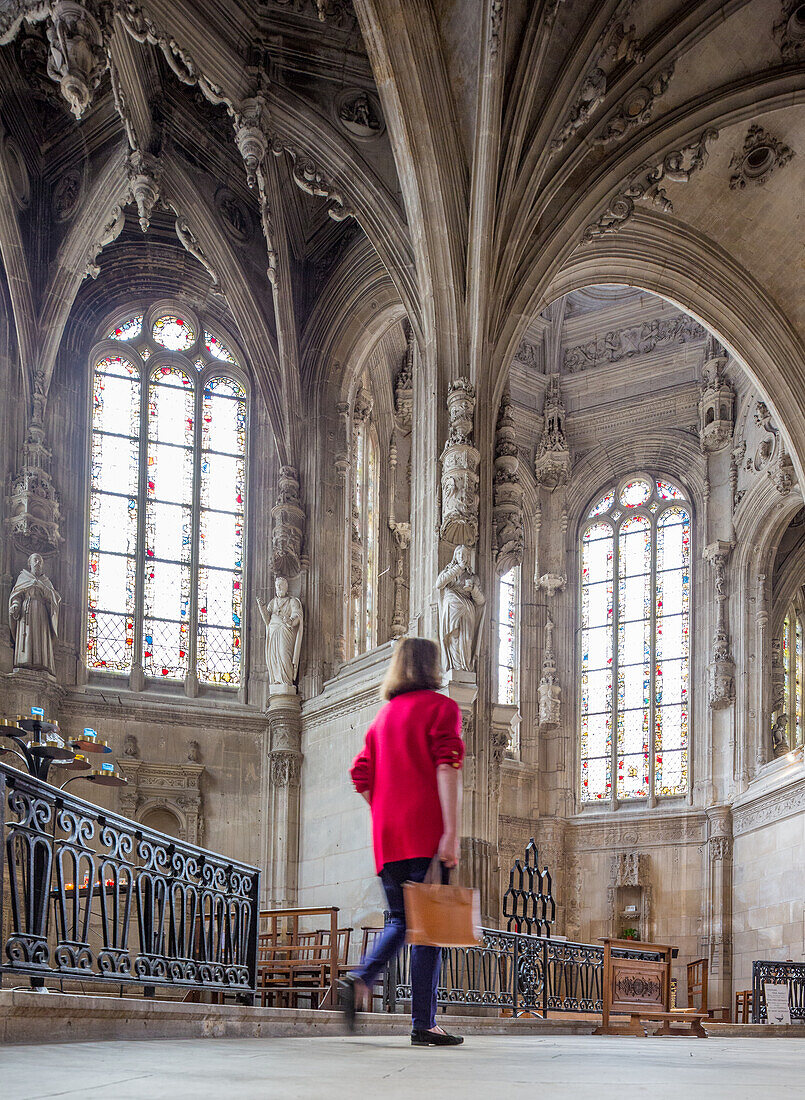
{"points": [[361, 1067]]}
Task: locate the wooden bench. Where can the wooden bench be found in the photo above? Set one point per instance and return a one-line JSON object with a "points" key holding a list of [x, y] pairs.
{"points": [[640, 989]]}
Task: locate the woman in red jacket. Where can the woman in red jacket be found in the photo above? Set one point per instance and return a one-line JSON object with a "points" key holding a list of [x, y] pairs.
{"points": [[409, 771]]}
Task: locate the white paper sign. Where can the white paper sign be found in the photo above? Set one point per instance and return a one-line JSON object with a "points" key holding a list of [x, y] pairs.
{"points": [[777, 1010]]}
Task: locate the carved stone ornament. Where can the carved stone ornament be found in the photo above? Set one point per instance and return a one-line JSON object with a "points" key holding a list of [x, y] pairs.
{"points": [[779, 718], [507, 490], [552, 464], [172, 787], [789, 30], [635, 109], [32, 505], [404, 387], [144, 172], [460, 461], [286, 768], [110, 232], [716, 406], [288, 525], [236, 217], [77, 59], [678, 166], [358, 112], [761, 155], [250, 122], [722, 667], [189, 241], [66, 194]]}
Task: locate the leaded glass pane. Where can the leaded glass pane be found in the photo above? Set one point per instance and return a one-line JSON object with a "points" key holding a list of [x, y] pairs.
{"points": [[370, 541], [667, 491], [596, 672], [217, 349], [672, 611], [635, 492], [507, 637], [128, 329], [798, 679], [173, 332], [221, 521], [603, 505], [113, 514]]}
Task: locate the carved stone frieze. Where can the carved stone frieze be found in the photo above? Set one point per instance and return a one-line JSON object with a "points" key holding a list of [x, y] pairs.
{"points": [[761, 155], [722, 666], [653, 832], [626, 343], [770, 808], [460, 461], [553, 463], [678, 166], [507, 492], [288, 525]]}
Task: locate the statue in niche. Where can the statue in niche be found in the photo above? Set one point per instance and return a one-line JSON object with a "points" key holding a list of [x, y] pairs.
{"points": [[461, 611], [284, 621], [130, 746], [33, 608], [357, 114], [779, 738]]}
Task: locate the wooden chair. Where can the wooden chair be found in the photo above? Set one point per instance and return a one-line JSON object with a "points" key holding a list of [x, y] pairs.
{"points": [[292, 962], [368, 939], [743, 1006], [641, 990], [698, 974]]}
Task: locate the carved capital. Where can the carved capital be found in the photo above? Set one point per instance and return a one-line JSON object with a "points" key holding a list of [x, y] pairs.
{"points": [[286, 768]]}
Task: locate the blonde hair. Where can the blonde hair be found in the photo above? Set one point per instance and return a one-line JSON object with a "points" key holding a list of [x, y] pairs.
{"points": [[416, 665]]}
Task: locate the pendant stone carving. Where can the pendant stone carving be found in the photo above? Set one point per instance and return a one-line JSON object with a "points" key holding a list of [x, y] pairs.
{"points": [[508, 494], [553, 463], [288, 525]]}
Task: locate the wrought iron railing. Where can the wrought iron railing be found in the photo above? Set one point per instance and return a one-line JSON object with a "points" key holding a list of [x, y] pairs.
{"points": [[778, 973], [518, 972], [86, 894]]}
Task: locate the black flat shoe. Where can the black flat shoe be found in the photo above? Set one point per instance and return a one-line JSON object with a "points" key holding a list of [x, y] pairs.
{"points": [[347, 1000], [422, 1038]]}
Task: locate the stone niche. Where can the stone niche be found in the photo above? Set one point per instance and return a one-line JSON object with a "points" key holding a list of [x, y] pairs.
{"points": [[159, 792], [629, 894]]}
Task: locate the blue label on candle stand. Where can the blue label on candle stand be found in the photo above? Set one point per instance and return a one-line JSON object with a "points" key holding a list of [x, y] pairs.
{"points": [[38, 712], [107, 767], [89, 735]]}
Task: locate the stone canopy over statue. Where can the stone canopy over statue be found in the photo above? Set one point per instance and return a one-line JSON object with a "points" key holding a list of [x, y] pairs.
{"points": [[461, 611], [33, 609], [284, 621]]}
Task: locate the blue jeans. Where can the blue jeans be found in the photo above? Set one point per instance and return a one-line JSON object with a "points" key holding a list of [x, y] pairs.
{"points": [[426, 962]]}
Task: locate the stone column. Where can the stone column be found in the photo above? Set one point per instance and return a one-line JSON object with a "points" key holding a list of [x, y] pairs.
{"points": [[716, 944], [284, 765]]}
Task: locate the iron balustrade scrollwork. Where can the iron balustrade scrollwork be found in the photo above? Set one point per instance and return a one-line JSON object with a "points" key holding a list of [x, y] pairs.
{"points": [[89, 895], [778, 973], [522, 973]]}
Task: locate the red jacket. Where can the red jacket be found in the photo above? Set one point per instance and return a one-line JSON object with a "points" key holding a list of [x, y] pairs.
{"points": [[410, 737]]}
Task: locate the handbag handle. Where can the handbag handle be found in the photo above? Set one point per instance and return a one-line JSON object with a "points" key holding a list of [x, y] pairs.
{"points": [[437, 874]]}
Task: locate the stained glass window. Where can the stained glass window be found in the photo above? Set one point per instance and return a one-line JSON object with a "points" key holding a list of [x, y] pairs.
{"points": [[173, 333], [364, 528], [167, 514], [787, 700], [635, 643], [217, 349], [127, 329], [507, 636]]}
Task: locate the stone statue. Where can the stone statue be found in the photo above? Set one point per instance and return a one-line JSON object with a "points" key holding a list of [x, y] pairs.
{"points": [[284, 621], [34, 613], [779, 738], [461, 611]]}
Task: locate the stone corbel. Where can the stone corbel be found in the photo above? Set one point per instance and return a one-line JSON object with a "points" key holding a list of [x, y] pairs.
{"points": [[77, 58], [722, 666], [460, 461]]}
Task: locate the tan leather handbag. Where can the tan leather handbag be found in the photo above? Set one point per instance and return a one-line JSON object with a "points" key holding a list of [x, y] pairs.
{"points": [[441, 916]]}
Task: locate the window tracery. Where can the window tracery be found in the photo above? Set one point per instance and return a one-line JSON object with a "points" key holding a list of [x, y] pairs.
{"points": [[508, 636], [635, 642], [167, 503]]}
